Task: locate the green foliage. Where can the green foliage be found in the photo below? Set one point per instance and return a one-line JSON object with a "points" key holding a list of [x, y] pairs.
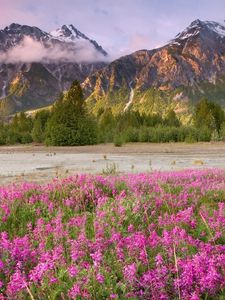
{"points": [[222, 131], [118, 141], [69, 124], [110, 169], [12, 137], [26, 138], [164, 134], [106, 126], [215, 136], [22, 123], [39, 126], [18, 131], [208, 114], [171, 119], [37, 131]]}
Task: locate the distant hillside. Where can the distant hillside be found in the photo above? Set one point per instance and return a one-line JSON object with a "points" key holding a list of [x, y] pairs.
{"points": [[175, 76], [35, 66]]}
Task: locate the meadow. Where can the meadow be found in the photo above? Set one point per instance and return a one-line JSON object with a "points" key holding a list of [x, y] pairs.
{"points": [[158, 235]]}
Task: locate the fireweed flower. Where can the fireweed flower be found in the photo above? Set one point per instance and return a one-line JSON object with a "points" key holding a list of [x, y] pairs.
{"points": [[100, 278], [130, 272], [72, 271], [142, 236], [16, 284], [74, 291], [97, 258]]}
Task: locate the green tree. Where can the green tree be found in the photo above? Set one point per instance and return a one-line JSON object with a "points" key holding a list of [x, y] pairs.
{"points": [[171, 119], [222, 132], [37, 131], [208, 114], [19, 131], [40, 121], [22, 123], [74, 98], [106, 126], [69, 123]]}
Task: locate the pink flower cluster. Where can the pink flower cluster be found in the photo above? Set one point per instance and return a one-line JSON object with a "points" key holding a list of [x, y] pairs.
{"points": [[145, 236]]}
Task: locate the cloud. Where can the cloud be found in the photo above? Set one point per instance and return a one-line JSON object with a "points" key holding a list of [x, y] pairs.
{"points": [[30, 50], [113, 24]]}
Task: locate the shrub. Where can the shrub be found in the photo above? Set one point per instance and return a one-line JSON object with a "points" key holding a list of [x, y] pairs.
{"points": [[118, 141]]}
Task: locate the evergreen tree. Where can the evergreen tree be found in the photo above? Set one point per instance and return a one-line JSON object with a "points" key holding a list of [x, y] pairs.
{"points": [[171, 119], [69, 123], [38, 131], [208, 114], [19, 131], [106, 125]]}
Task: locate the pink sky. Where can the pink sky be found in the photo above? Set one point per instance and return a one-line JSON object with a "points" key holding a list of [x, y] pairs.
{"points": [[120, 26]]}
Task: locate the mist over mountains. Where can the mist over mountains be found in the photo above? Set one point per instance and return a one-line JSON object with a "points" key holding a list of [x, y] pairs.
{"points": [[22, 43], [35, 66]]}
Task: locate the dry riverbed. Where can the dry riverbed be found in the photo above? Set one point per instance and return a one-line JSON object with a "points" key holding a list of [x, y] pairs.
{"points": [[40, 164]]}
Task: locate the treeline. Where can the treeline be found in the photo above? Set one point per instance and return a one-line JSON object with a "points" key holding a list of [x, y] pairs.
{"points": [[68, 123]]}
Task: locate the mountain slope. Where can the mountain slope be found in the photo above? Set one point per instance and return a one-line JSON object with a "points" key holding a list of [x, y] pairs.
{"points": [[188, 68], [35, 66]]}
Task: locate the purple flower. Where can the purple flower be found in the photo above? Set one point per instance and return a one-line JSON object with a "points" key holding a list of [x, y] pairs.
{"points": [[100, 278], [130, 272]]}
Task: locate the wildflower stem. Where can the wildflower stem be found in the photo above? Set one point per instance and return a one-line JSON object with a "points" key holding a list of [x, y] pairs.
{"points": [[207, 225], [29, 292], [176, 267]]}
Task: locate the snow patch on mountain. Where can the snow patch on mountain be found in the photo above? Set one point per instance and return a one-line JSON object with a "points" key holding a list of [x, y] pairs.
{"points": [[197, 27], [68, 33], [22, 43], [216, 27]]}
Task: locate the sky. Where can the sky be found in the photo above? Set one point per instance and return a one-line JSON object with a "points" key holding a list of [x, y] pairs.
{"points": [[119, 26]]}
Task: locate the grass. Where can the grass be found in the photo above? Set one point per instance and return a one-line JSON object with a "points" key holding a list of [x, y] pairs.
{"points": [[139, 236]]}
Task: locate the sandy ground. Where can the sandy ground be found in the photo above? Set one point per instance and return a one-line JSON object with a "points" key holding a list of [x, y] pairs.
{"points": [[40, 164]]}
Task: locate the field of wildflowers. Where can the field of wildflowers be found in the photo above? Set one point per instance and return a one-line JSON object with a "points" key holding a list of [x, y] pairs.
{"points": [[147, 236]]}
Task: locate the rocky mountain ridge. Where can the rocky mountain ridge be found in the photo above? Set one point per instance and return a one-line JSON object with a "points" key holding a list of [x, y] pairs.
{"points": [[189, 67], [36, 66], [175, 76]]}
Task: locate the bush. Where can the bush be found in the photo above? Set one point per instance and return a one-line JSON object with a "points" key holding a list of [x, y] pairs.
{"points": [[190, 139], [222, 132], [118, 141], [26, 138], [131, 135], [58, 135], [13, 137], [3, 135], [144, 134], [215, 136]]}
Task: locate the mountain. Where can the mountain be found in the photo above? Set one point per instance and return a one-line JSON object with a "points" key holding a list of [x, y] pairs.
{"points": [[175, 76], [71, 34], [36, 66]]}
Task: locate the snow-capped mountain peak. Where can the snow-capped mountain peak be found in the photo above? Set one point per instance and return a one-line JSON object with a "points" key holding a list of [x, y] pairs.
{"points": [[216, 27], [68, 33], [198, 26], [65, 37]]}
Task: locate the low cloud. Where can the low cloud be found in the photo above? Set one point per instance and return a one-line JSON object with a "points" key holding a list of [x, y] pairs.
{"points": [[30, 50]]}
